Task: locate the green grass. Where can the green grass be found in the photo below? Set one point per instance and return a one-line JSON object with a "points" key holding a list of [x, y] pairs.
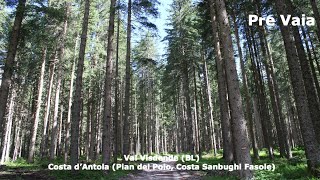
{"points": [[295, 168], [42, 166], [22, 164]]}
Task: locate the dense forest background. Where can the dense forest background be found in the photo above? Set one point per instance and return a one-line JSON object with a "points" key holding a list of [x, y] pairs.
{"points": [[86, 81]]}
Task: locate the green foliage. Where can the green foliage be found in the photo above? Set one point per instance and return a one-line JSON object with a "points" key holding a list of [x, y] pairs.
{"points": [[40, 167], [285, 169], [4, 29], [22, 164], [183, 50], [294, 168], [143, 9]]}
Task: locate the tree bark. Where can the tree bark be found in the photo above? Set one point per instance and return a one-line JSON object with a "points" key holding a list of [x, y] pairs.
{"points": [[77, 102], [283, 121], [222, 90], [203, 119], [196, 112], [308, 134], [88, 124], [67, 130], [59, 141], [249, 110], [9, 63], [38, 106], [316, 15], [186, 94], [272, 84], [260, 94], [313, 69], [210, 112], [116, 92], [313, 50], [107, 120], [6, 142], [93, 126], [17, 138], [54, 130], [239, 127], [52, 64], [126, 135], [308, 84], [307, 77], [60, 75]]}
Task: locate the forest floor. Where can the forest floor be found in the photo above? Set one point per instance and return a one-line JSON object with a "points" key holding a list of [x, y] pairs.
{"points": [[25, 174], [29, 172], [294, 168], [165, 174]]}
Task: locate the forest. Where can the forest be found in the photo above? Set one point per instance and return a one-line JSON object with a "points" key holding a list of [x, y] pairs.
{"points": [[93, 81]]}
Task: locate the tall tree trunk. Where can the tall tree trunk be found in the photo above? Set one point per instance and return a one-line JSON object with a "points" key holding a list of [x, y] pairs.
{"points": [[249, 110], [93, 126], [263, 112], [239, 127], [9, 63], [213, 142], [203, 120], [222, 90], [149, 113], [308, 134], [121, 117], [116, 92], [313, 50], [307, 77], [59, 144], [98, 151], [52, 64], [313, 69], [316, 15], [67, 130], [196, 112], [77, 102], [54, 130], [38, 106], [275, 104], [88, 125], [309, 84], [186, 93], [126, 136], [107, 120], [131, 117], [60, 74], [181, 120], [6, 142], [283, 122], [17, 138], [296, 132]]}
